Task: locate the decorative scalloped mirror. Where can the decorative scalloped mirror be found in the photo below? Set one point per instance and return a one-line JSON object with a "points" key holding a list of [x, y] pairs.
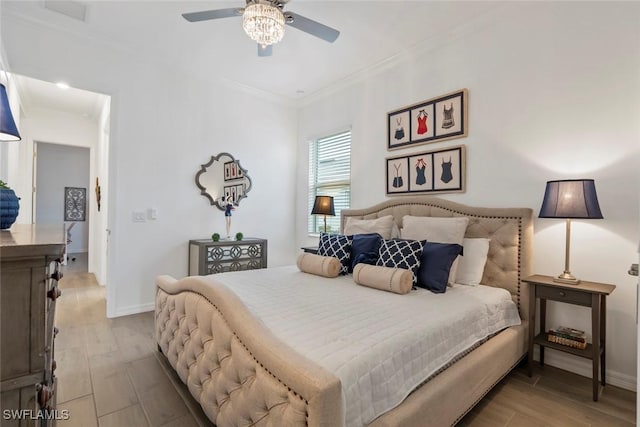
{"points": [[223, 178]]}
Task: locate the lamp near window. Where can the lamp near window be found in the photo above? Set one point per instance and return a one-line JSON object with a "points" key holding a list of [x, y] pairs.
{"points": [[323, 205], [8, 128], [570, 199]]}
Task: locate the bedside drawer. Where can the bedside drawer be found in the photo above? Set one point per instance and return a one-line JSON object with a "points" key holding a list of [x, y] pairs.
{"points": [[566, 295]]}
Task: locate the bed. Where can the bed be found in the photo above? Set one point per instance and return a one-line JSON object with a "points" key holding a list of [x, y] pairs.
{"points": [[242, 373]]}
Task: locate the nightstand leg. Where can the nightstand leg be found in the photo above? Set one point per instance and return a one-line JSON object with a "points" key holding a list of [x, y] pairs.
{"points": [[603, 337], [595, 331], [532, 326], [543, 325]]}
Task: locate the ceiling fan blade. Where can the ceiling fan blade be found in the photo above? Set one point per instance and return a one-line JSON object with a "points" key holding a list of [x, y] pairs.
{"points": [[206, 15], [265, 51], [312, 27]]}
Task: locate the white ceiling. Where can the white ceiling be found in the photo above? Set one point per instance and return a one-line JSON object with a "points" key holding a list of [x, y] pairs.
{"points": [[36, 94], [371, 32]]}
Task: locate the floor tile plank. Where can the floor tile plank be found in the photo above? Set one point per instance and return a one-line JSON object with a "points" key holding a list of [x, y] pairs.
{"points": [[73, 375], [162, 404], [81, 413], [133, 416], [112, 387]]}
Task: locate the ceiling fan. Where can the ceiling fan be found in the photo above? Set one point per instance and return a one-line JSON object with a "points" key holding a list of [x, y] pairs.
{"points": [[264, 21]]}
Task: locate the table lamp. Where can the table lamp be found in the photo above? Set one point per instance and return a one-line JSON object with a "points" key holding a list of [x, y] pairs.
{"points": [[323, 205], [570, 199], [8, 128]]}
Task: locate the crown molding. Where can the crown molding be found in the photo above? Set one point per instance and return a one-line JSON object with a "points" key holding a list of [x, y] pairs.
{"points": [[418, 51], [75, 32]]}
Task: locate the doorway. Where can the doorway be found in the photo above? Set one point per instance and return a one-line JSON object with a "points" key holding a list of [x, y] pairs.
{"points": [[66, 146], [62, 184]]}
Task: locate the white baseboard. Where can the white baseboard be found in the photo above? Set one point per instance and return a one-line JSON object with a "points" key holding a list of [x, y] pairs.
{"points": [[583, 367], [133, 309], [77, 251]]}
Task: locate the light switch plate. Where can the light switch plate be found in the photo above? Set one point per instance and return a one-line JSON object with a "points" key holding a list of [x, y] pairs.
{"points": [[139, 216]]}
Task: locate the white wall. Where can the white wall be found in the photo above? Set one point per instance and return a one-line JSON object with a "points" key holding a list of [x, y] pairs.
{"points": [[549, 98], [55, 127], [59, 166], [164, 125], [98, 238]]}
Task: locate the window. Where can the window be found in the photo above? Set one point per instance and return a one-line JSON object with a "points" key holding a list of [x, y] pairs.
{"points": [[330, 175]]}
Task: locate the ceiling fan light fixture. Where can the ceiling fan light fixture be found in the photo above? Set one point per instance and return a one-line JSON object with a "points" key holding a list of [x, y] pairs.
{"points": [[263, 23]]}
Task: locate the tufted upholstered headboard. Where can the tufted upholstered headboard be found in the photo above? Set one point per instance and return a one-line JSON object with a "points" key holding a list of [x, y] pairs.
{"points": [[510, 231]]}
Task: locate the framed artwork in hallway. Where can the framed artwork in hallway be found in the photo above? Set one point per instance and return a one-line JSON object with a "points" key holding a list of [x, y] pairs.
{"points": [[75, 203]]}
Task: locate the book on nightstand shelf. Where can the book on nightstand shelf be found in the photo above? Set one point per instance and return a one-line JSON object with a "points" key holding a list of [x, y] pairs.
{"points": [[568, 336], [570, 331]]}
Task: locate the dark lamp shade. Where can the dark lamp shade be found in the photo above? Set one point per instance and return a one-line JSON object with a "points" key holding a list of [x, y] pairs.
{"points": [[8, 128], [323, 205], [572, 198]]}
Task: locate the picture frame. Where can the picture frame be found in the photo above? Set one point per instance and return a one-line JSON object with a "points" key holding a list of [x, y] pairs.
{"points": [[437, 171], [232, 170], [235, 191], [75, 203], [433, 120]]}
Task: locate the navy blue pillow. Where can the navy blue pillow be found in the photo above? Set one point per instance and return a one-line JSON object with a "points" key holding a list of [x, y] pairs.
{"points": [[338, 246], [435, 264], [399, 253], [364, 248]]}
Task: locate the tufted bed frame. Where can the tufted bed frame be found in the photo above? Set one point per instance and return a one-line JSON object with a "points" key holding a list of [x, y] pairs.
{"points": [[242, 375]]}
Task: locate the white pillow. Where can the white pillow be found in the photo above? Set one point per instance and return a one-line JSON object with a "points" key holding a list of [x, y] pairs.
{"points": [[471, 263], [383, 226], [438, 230]]}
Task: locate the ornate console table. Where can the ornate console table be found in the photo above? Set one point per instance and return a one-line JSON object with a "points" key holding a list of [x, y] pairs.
{"points": [[209, 257]]}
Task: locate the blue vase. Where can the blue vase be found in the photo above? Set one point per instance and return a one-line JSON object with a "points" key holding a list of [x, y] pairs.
{"points": [[9, 207]]}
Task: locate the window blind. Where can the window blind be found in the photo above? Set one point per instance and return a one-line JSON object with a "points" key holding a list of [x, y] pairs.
{"points": [[329, 175]]}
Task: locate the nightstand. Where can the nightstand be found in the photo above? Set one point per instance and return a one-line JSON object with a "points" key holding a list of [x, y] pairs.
{"points": [[587, 294], [310, 249]]}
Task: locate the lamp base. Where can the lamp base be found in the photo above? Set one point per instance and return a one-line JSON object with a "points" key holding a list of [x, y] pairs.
{"points": [[566, 278]]}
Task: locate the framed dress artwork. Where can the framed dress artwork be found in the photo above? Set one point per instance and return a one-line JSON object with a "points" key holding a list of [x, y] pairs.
{"points": [[433, 120], [438, 171], [232, 171]]}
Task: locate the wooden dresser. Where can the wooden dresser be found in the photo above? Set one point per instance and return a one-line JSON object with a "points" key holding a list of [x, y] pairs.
{"points": [[209, 257], [30, 258]]}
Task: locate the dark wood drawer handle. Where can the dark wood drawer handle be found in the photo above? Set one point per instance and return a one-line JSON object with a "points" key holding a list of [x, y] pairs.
{"points": [[54, 293], [44, 395], [57, 275], [562, 294]]}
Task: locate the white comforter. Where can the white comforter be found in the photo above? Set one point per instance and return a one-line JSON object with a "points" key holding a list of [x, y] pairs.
{"points": [[381, 345]]}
